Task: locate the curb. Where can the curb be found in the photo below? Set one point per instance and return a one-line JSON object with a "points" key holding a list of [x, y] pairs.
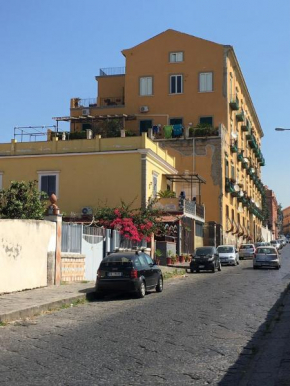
{"points": [[36, 310]]}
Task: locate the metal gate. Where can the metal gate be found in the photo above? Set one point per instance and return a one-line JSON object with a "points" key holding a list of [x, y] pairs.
{"points": [[93, 249]]}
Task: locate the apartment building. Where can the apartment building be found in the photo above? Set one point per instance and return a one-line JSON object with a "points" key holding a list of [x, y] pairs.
{"points": [[190, 96]]}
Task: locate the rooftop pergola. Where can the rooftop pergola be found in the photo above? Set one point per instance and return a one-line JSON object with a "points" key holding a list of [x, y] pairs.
{"points": [[190, 178], [94, 118]]}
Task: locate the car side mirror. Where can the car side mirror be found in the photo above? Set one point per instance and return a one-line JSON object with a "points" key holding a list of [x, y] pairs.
{"points": [[151, 264], [236, 250]]}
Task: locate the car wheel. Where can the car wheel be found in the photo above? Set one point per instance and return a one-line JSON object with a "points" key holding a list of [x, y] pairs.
{"points": [[141, 290], [277, 267], [213, 269], [159, 287], [220, 267], [99, 295], [197, 270], [255, 267], [241, 258], [191, 270]]}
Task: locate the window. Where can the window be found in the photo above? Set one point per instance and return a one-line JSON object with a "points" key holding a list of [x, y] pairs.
{"points": [[176, 57], [175, 121], [176, 84], [48, 182], [154, 185], [227, 168], [148, 259], [205, 82], [198, 229], [206, 121], [146, 84], [233, 171]]}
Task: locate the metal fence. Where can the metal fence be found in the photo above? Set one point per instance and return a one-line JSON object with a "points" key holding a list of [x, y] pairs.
{"points": [[71, 240]]}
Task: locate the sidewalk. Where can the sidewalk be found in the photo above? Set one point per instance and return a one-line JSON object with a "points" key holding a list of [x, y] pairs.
{"points": [[25, 304]]}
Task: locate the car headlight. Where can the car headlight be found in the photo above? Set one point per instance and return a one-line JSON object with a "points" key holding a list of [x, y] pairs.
{"points": [[210, 258]]}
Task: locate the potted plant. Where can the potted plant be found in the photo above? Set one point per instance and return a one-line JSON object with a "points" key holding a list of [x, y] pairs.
{"points": [[182, 258], [158, 255], [169, 258]]}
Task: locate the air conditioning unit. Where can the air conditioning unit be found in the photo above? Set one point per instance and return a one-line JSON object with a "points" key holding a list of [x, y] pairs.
{"points": [[86, 210], [144, 109], [86, 112]]}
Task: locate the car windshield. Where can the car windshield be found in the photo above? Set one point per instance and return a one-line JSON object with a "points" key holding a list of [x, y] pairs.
{"points": [[246, 246], [117, 260], [267, 251], [204, 251], [225, 249]]}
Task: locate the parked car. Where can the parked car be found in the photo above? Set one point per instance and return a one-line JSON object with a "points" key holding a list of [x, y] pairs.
{"points": [[128, 271], [228, 254], [266, 257], [205, 258], [246, 251], [275, 244]]}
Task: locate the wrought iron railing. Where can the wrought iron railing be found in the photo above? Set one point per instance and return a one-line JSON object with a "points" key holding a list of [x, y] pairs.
{"points": [[112, 71], [112, 101]]}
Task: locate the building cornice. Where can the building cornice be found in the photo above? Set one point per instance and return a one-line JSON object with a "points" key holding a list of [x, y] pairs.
{"points": [[147, 152]]}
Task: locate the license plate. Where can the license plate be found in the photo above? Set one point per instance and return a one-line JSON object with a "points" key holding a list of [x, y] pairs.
{"points": [[114, 273], [201, 266]]}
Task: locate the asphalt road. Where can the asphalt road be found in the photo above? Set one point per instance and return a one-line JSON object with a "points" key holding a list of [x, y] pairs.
{"points": [[202, 330]]}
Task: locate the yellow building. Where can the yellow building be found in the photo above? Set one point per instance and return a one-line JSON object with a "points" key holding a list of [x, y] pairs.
{"points": [[176, 80], [98, 172]]}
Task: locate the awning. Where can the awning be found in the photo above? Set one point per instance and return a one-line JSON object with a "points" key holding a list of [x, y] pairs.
{"points": [[94, 118]]}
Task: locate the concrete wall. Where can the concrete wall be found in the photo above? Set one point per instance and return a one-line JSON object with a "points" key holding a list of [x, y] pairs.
{"points": [[24, 249]]}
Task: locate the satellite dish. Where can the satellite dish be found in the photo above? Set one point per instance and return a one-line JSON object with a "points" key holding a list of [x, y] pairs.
{"points": [[237, 188], [234, 135]]}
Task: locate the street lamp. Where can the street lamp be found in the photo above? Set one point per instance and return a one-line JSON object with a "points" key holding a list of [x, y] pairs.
{"points": [[281, 129]]}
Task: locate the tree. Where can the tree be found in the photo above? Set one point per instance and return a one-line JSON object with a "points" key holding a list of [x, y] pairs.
{"points": [[22, 200], [133, 224]]}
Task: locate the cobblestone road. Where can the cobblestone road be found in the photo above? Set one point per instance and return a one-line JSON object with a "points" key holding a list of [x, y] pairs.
{"points": [[202, 330]]}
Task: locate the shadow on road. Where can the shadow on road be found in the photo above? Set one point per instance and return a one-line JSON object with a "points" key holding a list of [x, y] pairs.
{"points": [[244, 368]]}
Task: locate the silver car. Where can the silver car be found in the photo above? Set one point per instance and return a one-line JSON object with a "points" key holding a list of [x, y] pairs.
{"points": [[246, 251], [228, 254], [266, 257]]}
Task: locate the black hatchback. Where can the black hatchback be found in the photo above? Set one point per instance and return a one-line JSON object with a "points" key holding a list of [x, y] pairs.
{"points": [[205, 258], [128, 272]]}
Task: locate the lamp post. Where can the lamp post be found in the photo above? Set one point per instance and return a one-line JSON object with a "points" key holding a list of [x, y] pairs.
{"points": [[281, 129]]}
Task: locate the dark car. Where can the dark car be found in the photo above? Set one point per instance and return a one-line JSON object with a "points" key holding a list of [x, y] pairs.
{"points": [[128, 271], [205, 258]]}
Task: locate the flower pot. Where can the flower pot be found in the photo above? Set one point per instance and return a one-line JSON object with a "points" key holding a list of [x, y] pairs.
{"points": [[168, 261], [181, 259]]}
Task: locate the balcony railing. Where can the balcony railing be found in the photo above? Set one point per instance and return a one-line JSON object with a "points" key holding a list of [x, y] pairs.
{"points": [[234, 102], [240, 116], [112, 71], [81, 103], [112, 101], [187, 207]]}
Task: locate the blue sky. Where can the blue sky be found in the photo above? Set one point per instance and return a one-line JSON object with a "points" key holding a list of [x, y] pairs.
{"points": [[52, 50]]}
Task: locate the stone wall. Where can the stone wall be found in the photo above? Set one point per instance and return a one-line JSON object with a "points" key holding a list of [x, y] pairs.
{"points": [[72, 267]]}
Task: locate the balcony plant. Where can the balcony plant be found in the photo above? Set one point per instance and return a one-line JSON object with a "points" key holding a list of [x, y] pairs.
{"points": [[166, 194]]}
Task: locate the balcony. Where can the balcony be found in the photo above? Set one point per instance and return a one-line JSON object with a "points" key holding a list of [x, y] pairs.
{"points": [[229, 186], [234, 102], [240, 157], [240, 116], [246, 126], [234, 146], [112, 101], [112, 71], [186, 207], [78, 103]]}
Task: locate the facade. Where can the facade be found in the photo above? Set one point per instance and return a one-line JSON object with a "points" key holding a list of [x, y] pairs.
{"points": [[286, 221], [190, 96], [88, 173], [272, 210]]}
